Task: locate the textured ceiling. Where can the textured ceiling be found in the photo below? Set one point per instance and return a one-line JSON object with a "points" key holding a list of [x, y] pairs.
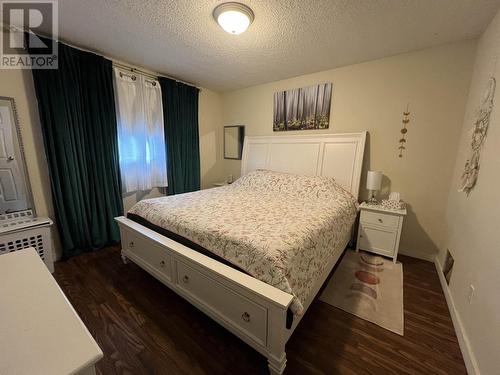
{"points": [[288, 37]]}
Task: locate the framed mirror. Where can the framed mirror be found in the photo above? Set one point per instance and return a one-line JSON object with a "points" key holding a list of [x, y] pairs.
{"points": [[233, 141], [15, 190]]}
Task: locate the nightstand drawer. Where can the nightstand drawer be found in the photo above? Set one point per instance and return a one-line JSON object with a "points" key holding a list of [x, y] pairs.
{"points": [[378, 240], [382, 219]]}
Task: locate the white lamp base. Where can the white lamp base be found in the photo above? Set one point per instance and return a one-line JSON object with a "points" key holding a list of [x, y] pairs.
{"points": [[372, 199]]}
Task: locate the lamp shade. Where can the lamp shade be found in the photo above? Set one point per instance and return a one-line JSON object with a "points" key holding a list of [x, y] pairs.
{"points": [[374, 180]]}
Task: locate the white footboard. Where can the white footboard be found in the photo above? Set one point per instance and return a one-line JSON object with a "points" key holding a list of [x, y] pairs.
{"points": [[251, 309]]}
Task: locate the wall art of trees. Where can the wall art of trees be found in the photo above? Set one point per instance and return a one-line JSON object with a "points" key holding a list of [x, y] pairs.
{"points": [[303, 109]]}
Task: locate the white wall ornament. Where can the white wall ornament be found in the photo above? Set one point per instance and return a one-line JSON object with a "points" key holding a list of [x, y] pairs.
{"points": [[479, 131]]}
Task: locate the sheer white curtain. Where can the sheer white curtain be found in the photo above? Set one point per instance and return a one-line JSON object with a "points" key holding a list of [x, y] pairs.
{"points": [[141, 141]]}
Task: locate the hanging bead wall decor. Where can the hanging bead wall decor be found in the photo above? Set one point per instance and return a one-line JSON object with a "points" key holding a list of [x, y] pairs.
{"points": [[478, 137], [404, 130]]}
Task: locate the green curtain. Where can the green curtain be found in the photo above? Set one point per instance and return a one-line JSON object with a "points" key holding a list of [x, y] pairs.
{"points": [[77, 114], [180, 112]]}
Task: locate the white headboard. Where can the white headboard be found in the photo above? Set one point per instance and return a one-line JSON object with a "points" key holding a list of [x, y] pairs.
{"points": [[334, 155]]}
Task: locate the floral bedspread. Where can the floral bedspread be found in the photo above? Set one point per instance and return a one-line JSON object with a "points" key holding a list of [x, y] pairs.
{"points": [[280, 228]]}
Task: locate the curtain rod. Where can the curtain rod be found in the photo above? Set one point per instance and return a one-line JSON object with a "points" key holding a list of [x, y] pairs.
{"points": [[128, 67], [152, 79], [115, 62], [147, 74], [134, 70]]}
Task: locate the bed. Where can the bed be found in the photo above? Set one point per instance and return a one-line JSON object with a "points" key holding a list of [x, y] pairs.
{"points": [[254, 254]]}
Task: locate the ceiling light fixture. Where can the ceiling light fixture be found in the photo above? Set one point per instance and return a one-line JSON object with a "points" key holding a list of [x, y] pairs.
{"points": [[234, 18]]}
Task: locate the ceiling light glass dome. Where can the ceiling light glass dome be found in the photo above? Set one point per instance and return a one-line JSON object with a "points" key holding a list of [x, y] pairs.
{"points": [[234, 18]]}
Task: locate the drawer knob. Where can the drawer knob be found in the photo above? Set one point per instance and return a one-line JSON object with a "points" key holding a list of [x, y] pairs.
{"points": [[131, 244], [245, 316], [380, 220], [162, 263], [185, 279]]}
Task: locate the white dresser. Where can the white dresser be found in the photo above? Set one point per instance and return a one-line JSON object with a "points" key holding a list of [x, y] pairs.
{"points": [[380, 230], [40, 332]]}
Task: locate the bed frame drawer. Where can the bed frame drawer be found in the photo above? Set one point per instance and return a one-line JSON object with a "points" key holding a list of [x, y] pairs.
{"points": [[238, 311], [150, 253]]}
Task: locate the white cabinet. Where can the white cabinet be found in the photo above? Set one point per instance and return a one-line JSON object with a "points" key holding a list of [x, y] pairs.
{"points": [[40, 332], [380, 230]]}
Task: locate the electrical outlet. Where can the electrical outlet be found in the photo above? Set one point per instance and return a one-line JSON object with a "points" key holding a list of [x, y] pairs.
{"points": [[472, 290]]}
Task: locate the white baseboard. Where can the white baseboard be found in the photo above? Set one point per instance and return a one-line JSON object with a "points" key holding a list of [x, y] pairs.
{"points": [[463, 340]]}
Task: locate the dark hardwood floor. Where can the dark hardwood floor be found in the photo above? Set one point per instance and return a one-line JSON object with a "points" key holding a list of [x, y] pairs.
{"points": [[144, 328]]}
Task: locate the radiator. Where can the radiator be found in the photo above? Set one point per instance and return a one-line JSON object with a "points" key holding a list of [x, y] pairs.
{"points": [[20, 233]]}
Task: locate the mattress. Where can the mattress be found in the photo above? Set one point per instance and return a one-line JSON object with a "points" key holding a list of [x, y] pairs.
{"points": [[281, 228]]}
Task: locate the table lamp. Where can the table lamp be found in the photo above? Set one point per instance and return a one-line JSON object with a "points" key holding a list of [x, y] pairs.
{"points": [[373, 184]]}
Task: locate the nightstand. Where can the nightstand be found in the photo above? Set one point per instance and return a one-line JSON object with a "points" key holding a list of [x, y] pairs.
{"points": [[380, 230]]}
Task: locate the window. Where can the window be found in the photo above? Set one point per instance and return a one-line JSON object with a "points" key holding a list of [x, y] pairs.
{"points": [[141, 140]]}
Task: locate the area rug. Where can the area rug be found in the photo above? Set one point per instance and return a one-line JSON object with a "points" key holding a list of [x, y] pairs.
{"points": [[370, 287]]}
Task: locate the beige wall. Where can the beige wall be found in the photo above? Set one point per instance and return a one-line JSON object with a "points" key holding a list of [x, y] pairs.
{"points": [[19, 85], [372, 96], [210, 120], [474, 221]]}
